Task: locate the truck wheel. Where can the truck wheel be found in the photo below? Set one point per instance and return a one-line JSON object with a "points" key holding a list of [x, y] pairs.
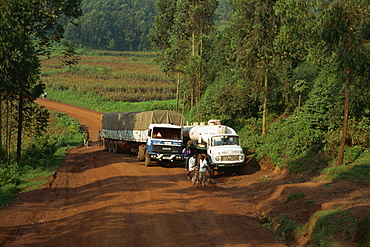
{"points": [[211, 172], [244, 169], [110, 146], [114, 147], [106, 144], [141, 153], [147, 160]]}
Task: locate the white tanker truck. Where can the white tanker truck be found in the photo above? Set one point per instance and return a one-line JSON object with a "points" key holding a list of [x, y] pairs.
{"points": [[219, 142]]}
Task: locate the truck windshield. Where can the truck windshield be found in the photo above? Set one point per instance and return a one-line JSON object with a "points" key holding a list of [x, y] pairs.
{"points": [[225, 140], [167, 133]]}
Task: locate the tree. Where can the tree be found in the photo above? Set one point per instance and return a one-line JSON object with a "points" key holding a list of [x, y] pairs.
{"points": [[343, 29], [28, 27], [334, 34], [258, 27], [177, 35], [193, 21]]}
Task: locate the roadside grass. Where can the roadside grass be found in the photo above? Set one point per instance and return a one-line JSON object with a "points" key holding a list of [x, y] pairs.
{"points": [[362, 236], [282, 226], [329, 225], [357, 167], [294, 196], [40, 158]]}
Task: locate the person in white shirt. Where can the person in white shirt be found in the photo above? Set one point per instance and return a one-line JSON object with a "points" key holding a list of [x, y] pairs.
{"points": [[192, 165], [203, 165]]}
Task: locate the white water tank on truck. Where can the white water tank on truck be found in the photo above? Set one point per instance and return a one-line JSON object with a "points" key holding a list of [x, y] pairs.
{"points": [[202, 133]]}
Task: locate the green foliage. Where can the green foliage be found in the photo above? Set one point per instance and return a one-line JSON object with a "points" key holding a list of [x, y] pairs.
{"points": [[309, 202], [362, 236], [287, 227], [41, 156], [114, 78], [250, 134], [350, 172], [100, 104], [332, 224], [282, 226], [294, 196], [226, 99], [291, 137], [7, 194], [323, 105], [9, 174]]}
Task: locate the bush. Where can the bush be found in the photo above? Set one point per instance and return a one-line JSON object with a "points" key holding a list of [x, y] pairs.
{"points": [[40, 158], [362, 236], [331, 224], [9, 174], [290, 137]]}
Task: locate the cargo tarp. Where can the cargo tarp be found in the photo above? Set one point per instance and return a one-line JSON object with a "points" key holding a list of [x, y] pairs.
{"points": [[139, 120]]}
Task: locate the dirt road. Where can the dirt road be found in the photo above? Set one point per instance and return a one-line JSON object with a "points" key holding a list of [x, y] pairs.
{"points": [[101, 199]]}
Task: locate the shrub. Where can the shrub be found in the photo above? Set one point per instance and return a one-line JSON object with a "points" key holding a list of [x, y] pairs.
{"points": [[362, 236], [331, 224], [41, 156], [295, 196], [290, 137]]}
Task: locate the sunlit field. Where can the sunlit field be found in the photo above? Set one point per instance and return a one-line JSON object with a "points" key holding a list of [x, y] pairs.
{"points": [[131, 77]]}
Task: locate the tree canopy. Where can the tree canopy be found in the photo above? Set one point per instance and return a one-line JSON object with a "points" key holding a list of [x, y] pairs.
{"points": [[28, 28]]}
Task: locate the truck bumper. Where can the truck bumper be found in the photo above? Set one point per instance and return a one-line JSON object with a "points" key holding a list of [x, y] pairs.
{"points": [[227, 165], [160, 157]]}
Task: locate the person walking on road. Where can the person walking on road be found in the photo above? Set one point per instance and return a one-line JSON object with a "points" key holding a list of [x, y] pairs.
{"points": [[192, 166], [203, 166], [186, 154], [86, 138], [100, 139]]}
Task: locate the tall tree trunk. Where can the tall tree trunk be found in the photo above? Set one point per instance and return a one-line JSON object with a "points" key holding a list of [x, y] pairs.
{"points": [[193, 43], [200, 52], [1, 125], [192, 98], [345, 118], [177, 91], [7, 130], [264, 113], [20, 129], [183, 103]]}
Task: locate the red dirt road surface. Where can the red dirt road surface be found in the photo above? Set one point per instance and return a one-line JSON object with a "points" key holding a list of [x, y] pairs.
{"points": [[100, 199]]}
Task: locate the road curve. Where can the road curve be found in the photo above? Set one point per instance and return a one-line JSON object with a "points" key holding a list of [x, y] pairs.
{"points": [[101, 199]]}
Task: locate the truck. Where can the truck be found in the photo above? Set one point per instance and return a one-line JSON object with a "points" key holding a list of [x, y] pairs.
{"points": [[219, 143], [151, 135]]}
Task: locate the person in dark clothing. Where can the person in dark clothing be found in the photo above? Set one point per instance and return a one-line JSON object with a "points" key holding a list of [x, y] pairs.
{"points": [[186, 154]]}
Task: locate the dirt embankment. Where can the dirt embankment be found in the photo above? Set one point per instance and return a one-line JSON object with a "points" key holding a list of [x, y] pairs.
{"points": [[103, 199]]}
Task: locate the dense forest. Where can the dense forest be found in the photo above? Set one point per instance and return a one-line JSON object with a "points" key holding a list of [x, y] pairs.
{"points": [[121, 25], [304, 63], [292, 76]]}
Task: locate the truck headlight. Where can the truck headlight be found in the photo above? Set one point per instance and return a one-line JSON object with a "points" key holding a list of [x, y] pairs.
{"points": [[241, 157], [218, 158]]}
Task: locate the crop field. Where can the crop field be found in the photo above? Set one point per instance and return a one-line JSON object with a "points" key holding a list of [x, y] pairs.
{"points": [[131, 77]]}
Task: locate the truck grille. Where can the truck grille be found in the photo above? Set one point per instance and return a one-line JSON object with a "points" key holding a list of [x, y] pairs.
{"points": [[167, 149], [230, 158]]}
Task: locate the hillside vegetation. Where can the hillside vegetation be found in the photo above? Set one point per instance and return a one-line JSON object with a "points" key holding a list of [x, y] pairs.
{"points": [[291, 76]]}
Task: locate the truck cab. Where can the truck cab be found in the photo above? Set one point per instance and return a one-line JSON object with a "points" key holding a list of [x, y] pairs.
{"points": [[164, 142], [225, 151]]}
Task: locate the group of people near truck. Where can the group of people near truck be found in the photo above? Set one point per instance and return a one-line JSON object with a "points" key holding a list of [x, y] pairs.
{"points": [[196, 165]]}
